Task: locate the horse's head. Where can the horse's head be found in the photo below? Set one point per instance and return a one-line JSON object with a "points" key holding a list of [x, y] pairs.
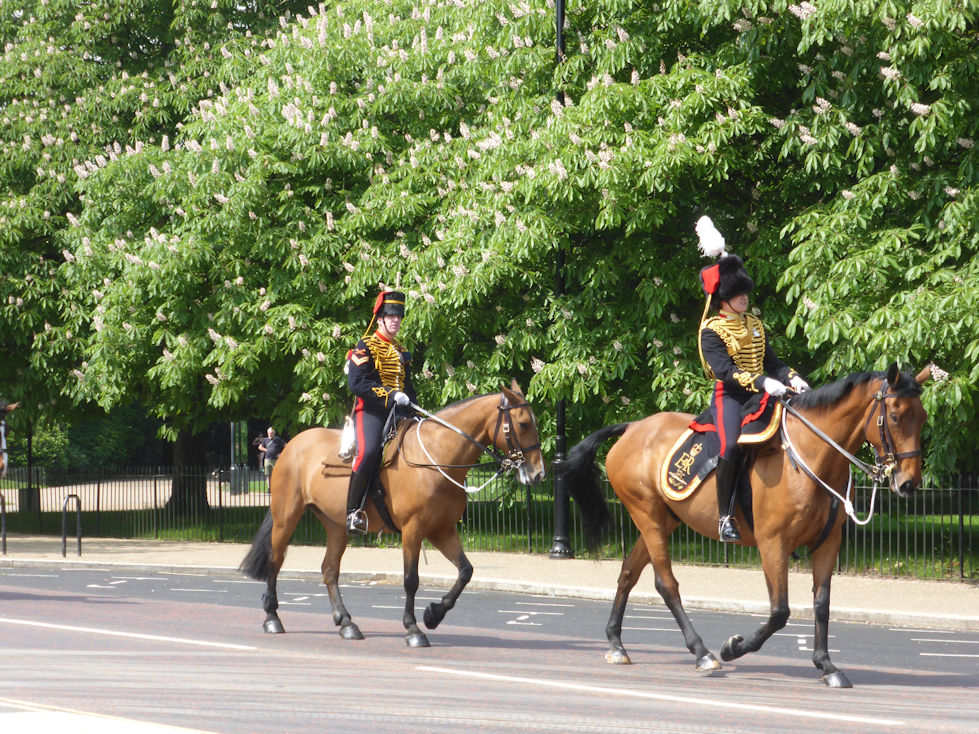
{"points": [[894, 429], [515, 435]]}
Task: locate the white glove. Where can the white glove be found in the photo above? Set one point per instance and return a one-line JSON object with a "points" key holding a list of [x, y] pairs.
{"points": [[401, 399], [773, 387], [798, 384]]}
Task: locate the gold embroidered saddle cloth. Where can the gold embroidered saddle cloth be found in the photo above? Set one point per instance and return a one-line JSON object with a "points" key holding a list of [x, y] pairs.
{"points": [[694, 453]]}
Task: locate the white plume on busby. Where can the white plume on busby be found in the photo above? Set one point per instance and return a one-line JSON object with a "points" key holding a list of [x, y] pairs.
{"points": [[711, 241]]}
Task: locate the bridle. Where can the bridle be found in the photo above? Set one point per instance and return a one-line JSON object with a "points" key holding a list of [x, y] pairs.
{"points": [[885, 460], [505, 464]]}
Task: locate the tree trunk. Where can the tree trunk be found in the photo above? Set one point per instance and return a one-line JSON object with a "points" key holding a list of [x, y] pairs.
{"points": [[189, 475]]}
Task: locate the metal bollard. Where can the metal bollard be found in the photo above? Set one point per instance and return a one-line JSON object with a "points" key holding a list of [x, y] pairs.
{"points": [[64, 524], [3, 525]]}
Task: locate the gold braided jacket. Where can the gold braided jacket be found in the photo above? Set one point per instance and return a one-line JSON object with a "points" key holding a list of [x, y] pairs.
{"points": [[744, 338], [387, 360]]}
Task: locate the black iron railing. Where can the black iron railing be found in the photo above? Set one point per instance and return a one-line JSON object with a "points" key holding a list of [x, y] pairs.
{"points": [[934, 534]]}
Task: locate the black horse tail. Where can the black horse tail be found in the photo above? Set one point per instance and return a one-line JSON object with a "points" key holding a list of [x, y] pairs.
{"points": [[582, 479], [255, 565]]}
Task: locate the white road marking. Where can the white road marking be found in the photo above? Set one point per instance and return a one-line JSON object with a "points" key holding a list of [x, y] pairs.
{"points": [[947, 655], [534, 614], [727, 705], [930, 632], [33, 717], [954, 642], [204, 591], [140, 578], [32, 575], [796, 634], [540, 604], [651, 629], [114, 633], [98, 586]]}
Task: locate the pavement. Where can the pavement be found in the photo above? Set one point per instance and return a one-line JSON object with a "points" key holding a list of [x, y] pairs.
{"points": [[944, 605]]}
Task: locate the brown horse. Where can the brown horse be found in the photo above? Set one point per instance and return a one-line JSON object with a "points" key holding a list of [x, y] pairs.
{"points": [[790, 508], [425, 497]]}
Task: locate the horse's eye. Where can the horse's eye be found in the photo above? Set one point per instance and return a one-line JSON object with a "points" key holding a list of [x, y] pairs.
{"points": [[524, 425]]}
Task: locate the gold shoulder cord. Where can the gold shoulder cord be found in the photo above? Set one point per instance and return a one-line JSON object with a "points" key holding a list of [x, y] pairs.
{"points": [[700, 348]]}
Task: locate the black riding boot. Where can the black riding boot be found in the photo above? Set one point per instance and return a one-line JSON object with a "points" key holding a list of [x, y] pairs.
{"points": [[727, 478], [356, 495]]}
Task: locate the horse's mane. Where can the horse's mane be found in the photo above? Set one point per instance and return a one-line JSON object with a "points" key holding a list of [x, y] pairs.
{"points": [[835, 391], [459, 403]]}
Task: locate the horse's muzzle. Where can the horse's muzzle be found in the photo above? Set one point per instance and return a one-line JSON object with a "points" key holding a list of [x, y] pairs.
{"points": [[906, 488], [529, 475]]}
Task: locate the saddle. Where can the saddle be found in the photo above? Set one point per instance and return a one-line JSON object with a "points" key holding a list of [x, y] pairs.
{"points": [[695, 452]]}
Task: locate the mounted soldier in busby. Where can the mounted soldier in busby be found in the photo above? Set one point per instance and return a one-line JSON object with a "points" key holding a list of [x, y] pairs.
{"points": [[737, 356], [379, 375]]}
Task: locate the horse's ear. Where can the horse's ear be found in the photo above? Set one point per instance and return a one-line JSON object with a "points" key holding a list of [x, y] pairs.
{"points": [[893, 375], [923, 375], [515, 386]]}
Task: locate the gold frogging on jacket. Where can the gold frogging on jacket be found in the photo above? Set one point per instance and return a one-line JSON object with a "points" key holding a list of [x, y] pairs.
{"points": [[387, 359], [744, 338]]}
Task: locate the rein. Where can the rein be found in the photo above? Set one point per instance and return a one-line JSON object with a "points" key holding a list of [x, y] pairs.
{"points": [[505, 464], [884, 463]]}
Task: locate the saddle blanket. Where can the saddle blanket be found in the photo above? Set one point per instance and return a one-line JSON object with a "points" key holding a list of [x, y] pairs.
{"points": [[694, 453]]}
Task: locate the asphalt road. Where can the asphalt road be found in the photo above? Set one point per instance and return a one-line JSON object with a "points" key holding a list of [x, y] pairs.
{"points": [[78, 646]]}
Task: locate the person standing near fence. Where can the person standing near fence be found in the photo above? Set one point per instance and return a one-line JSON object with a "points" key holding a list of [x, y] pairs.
{"points": [[379, 375], [269, 449]]}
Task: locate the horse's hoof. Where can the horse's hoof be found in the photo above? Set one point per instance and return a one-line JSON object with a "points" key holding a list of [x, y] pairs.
{"points": [[707, 663], [273, 626], [432, 619], [836, 680], [417, 639], [617, 657], [351, 632], [728, 651]]}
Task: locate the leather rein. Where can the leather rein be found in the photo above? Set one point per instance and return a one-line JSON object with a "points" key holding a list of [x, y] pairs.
{"points": [[505, 464], [885, 461]]}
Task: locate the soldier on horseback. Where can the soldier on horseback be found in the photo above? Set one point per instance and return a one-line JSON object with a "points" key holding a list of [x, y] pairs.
{"points": [[735, 353], [379, 376]]}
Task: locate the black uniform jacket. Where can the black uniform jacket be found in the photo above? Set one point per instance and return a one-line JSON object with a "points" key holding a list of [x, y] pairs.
{"points": [[376, 369]]}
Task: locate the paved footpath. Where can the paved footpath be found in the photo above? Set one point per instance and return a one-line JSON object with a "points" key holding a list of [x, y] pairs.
{"points": [[911, 603]]}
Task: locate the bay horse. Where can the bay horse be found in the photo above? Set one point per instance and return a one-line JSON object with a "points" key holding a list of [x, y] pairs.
{"points": [[790, 508], [425, 497]]}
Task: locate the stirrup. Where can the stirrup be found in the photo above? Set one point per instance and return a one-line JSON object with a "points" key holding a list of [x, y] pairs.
{"points": [[727, 529], [357, 522]]}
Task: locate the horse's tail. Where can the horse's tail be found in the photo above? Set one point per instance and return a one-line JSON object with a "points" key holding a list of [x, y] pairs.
{"points": [[255, 564], [581, 477]]}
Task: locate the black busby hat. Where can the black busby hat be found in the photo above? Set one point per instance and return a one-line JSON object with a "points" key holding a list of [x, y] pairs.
{"points": [[726, 279], [390, 303]]}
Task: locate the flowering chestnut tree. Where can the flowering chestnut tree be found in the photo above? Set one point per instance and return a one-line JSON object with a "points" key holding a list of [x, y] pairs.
{"points": [[435, 146]]}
